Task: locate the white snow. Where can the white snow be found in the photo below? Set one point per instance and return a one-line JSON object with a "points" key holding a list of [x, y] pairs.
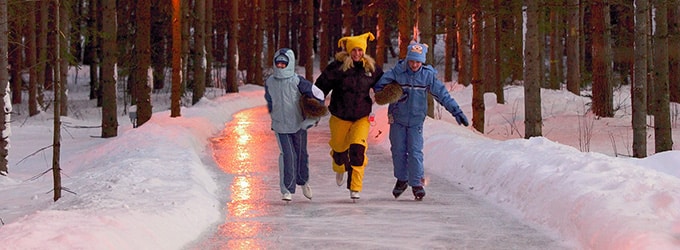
{"points": [[154, 187]]}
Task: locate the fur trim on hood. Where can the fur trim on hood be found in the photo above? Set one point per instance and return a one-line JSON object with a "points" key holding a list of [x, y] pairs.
{"points": [[347, 62]]}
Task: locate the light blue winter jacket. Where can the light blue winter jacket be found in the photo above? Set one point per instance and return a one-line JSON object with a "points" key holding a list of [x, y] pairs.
{"points": [[411, 109], [283, 90]]}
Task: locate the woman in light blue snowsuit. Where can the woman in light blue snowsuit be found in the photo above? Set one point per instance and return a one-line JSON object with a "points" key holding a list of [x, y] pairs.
{"points": [[405, 87], [292, 103]]}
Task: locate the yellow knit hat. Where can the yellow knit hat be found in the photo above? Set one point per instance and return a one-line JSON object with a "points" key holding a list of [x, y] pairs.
{"points": [[351, 42]]}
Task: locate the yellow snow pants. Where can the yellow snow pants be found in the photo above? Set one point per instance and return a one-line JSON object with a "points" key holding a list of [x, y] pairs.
{"points": [[348, 149]]}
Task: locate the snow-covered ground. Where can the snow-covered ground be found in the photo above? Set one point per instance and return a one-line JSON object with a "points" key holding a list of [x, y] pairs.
{"points": [[155, 187]]}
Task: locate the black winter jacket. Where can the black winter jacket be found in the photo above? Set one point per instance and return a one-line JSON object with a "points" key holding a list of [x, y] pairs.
{"points": [[350, 86]]}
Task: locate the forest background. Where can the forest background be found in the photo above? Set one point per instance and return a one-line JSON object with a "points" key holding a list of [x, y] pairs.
{"points": [[134, 48]]}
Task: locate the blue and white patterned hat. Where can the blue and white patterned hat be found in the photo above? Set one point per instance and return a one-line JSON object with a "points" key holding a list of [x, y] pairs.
{"points": [[417, 52]]}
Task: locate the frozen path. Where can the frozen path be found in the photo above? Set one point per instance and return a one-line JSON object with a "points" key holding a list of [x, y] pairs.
{"points": [[254, 216]]}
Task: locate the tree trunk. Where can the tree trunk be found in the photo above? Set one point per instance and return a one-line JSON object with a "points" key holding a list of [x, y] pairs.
{"points": [[381, 34], [488, 40], [4, 78], [650, 63], [160, 41], [477, 81], [41, 68], [542, 22], [674, 51], [15, 57], [325, 46], [270, 26], [199, 53], [76, 22], [335, 26], [404, 22], [623, 42], [426, 31], [56, 142], [517, 60], [246, 42], [32, 50], [92, 47], [573, 48], [463, 29], [449, 39], [209, 37], [283, 22], [555, 48], [176, 94], [256, 70], [109, 48], [532, 86], [347, 17], [500, 94], [295, 26], [601, 54], [232, 49], [639, 89], [65, 29], [308, 44], [663, 138], [125, 42], [186, 37], [143, 61]]}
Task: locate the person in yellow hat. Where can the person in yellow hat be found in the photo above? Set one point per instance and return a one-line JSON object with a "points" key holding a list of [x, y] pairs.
{"points": [[349, 80]]}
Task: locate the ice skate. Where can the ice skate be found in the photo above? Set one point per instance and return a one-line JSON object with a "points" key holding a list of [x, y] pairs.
{"points": [[287, 197], [307, 191], [399, 188], [354, 195], [418, 192], [339, 178]]}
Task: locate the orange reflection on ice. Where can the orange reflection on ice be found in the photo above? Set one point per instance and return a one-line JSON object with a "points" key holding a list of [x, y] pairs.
{"points": [[241, 192], [244, 235], [239, 151]]}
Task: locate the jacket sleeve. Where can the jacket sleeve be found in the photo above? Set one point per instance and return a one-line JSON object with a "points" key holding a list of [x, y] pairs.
{"points": [[441, 94], [326, 81], [268, 98], [308, 89]]}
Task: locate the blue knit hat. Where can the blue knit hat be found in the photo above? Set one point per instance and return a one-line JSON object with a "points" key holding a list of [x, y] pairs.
{"points": [[282, 58], [417, 52]]}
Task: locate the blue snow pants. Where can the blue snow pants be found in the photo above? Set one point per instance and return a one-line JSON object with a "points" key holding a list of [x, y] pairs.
{"points": [[407, 153]]}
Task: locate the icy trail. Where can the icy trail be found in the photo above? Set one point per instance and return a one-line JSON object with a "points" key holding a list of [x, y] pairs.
{"points": [[254, 216]]}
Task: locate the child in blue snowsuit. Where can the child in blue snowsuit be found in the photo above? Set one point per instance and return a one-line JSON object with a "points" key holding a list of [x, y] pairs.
{"points": [[405, 87], [292, 104]]}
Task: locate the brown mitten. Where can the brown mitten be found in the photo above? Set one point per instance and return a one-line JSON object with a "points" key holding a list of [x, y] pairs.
{"points": [[312, 108], [390, 94]]}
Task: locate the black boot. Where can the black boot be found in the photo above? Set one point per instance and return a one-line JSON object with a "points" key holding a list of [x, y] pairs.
{"points": [[418, 192], [399, 188]]}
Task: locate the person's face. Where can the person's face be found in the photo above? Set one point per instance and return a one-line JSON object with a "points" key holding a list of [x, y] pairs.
{"points": [[281, 65], [414, 65], [356, 54]]}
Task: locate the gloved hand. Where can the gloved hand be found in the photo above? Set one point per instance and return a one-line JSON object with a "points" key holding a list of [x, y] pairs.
{"points": [[460, 118]]}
